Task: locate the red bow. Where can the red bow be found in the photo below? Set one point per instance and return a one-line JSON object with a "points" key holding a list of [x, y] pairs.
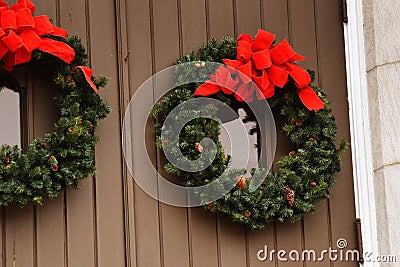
{"points": [[267, 66], [21, 33]]}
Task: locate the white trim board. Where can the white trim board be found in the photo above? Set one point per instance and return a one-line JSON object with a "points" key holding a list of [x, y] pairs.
{"points": [[359, 127]]}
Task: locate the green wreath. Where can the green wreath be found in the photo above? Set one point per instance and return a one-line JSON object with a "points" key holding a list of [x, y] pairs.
{"points": [[305, 174], [66, 155]]}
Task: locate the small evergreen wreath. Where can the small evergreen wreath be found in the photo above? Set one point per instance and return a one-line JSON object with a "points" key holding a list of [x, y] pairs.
{"points": [[66, 155], [304, 176]]}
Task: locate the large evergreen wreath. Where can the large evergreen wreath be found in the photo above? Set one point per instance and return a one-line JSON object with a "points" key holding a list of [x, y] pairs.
{"points": [[305, 174], [66, 155]]}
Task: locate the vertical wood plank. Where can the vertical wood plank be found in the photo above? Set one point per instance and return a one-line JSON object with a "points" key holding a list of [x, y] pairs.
{"points": [[194, 32], [45, 110], [166, 33], [109, 194], [204, 242], [289, 237], [275, 18], [221, 25], [284, 146], [2, 238], [167, 46], [230, 238], [303, 35], [41, 106], [20, 224], [304, 41], [73, 18], [145, 208], [20, 227], [79, 225], [248, 16], [202, 226], [232, 243], [46, 7], [124, 82], [333, 80], [50, 217], [258, 241], [275, 14], [317, 224], [50, 233], [79, 204]]}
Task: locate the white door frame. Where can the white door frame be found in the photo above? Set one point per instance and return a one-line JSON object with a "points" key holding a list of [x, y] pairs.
{"points": [[359, 127]]}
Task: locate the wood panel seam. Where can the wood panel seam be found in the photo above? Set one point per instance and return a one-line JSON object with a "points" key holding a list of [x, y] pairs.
{"points": [[180, 34], [122, 28], [317, 38], [65, 224], [207, 12], [235, 20], [35, 238], [3, 237], [262, 14]]}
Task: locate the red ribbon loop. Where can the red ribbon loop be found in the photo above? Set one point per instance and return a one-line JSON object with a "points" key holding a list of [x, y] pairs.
{"points": [[263, 40], [268, 66], [282, 53], [13, 41], [25, 20], [8, 20], [24, 4], [3, 6]]}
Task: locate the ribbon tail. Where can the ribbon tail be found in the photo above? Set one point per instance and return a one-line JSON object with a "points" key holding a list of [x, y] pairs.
{"points": [[58, 49], [60, 32], [310, 99], [87, 73]]}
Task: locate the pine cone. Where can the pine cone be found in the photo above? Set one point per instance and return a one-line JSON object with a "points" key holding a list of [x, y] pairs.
{"points": [[241, 183], [54, 168], [199, 148], [289, 195], [6, 160]]}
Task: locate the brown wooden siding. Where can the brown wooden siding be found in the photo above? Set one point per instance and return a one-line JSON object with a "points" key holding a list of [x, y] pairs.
{"points": [[110, 221]]}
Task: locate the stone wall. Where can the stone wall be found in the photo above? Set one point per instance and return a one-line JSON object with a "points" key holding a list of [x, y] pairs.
{"points": [[382, 48]]}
